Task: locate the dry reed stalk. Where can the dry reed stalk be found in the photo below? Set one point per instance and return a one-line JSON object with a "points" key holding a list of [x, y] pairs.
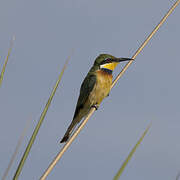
{"points": [[65, 147]]}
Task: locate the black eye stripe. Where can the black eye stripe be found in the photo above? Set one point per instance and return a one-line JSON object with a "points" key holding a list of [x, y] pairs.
{"points": [[108, 60]]}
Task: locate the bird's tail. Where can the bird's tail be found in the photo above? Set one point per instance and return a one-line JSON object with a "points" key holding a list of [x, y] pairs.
{"points": [[69, 131], [65, 137]]}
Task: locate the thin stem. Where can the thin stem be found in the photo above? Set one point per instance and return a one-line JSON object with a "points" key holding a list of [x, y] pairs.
{"points": [[36, 130], [21, 138], [120, 171], [6, 60], [145, 42], [65, 147]]}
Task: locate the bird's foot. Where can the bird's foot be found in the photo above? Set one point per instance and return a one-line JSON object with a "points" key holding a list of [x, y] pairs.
{"points": [[95, 106]]}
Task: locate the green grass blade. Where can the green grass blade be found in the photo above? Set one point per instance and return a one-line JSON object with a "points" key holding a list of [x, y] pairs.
{"points": [[116, 177], [6, 60], [16, 150], [31, 141]]}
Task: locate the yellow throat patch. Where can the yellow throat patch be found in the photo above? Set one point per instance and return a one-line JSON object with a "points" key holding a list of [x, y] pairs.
{"points": [[110, 66]]}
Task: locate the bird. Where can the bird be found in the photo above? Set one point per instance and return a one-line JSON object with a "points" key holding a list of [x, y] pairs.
{"points": [[95, 87]]}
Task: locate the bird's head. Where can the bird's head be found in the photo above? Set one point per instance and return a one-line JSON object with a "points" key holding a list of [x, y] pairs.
{"points": [[108, 62]]}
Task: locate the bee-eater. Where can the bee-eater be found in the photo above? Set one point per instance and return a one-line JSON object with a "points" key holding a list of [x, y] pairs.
{"points": [[94, 89]]}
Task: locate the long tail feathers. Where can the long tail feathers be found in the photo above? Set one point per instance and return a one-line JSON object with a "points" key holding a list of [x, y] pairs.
{"points": [[65, 138], [69, 131]]}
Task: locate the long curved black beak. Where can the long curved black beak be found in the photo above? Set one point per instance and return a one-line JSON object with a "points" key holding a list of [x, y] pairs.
{"points": [[122, 59]]}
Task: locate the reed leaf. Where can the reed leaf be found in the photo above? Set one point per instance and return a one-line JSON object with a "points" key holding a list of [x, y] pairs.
{"points": [[6, 60], [36, 130], [116, 177], [21, 138]]}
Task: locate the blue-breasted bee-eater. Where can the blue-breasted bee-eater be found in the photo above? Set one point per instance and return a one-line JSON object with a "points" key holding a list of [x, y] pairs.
{"points": [[94, 89]]}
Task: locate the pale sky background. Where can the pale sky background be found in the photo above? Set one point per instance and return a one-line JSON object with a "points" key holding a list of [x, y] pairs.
{"points": [[46, 32]]}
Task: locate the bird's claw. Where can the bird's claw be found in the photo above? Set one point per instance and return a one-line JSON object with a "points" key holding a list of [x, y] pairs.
{"points": [[95, 106]]}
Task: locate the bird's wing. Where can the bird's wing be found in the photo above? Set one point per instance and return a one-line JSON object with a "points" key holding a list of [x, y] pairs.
{"points": [[86, 88]]}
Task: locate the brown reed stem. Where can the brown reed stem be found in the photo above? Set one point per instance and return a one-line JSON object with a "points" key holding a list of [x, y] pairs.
{"points": [[65, 147]]}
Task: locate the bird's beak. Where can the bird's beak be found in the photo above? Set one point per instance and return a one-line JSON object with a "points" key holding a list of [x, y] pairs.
{"points": [[122, 59], [114, 62]]}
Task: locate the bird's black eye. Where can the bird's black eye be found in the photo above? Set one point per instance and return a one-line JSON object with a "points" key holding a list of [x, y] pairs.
{"points": [[107, 60]]}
